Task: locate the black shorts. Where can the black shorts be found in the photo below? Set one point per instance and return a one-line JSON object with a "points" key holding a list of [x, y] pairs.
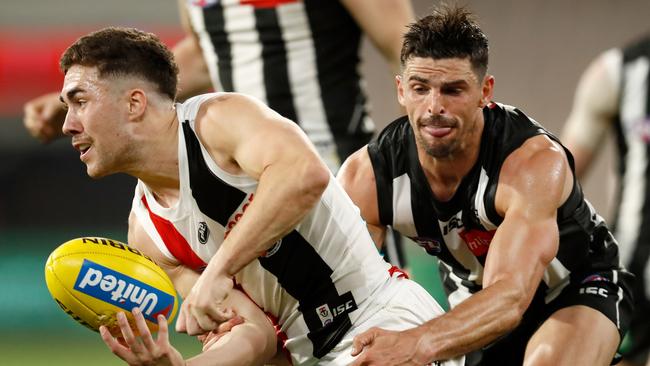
{"points": [[609, 292], [638, 348]]}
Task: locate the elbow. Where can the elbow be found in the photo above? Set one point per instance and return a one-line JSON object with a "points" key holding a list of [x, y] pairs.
{"points": [[513, 311], [511, 318], [315, 179]]}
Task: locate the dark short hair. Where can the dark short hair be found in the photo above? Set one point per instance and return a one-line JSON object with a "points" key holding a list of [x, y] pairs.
{"points": [[449, 32], [125, 51]]}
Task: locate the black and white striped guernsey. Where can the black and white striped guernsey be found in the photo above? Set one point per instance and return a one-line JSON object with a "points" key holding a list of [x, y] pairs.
{"points": [[459, 231], [632, 226], [300, 57]]}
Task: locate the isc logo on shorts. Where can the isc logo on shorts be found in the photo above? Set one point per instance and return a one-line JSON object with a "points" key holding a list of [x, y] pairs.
{"points": [[594, 291], [122, 291]]}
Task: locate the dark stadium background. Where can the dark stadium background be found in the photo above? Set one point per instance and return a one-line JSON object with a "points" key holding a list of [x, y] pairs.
{"points": [[538, 50]]}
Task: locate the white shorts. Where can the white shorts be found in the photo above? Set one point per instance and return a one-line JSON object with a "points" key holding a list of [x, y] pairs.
{"points": [[410, 306]]}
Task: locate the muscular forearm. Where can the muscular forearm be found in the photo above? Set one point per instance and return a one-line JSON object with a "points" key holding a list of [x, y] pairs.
{"points": [[243, 345], [286, 193], [474, 323]]}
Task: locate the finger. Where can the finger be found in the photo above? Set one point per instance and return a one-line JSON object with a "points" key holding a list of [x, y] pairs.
{"points": [[194, 328], [119, 350], [362, 340], [206, 320], [163, 331], [186, 322], [215, 314], [127, 333], [143, 329], [225, 314], [229, 324]]}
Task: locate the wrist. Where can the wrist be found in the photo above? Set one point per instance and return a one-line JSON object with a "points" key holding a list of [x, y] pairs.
{"points": [[217, 268], [426, 347]]}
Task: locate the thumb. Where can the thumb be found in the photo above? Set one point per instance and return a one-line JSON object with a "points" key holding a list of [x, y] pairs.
{"points": [[361, 341], [181, 325]]}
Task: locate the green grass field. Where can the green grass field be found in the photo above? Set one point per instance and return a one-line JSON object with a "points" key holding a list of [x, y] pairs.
{"points": [[52, 347]]}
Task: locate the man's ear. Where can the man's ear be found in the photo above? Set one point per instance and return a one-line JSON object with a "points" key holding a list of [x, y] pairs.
{"points": [[487, 90], [137, 104], [400, 89]]}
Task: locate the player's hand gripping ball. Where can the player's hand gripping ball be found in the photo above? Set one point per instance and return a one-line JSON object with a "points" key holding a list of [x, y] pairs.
{"points": [[94, 278]]}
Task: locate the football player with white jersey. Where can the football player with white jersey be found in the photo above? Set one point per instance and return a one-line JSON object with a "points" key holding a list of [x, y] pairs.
{"points": [[299, 57], [234, 203]]}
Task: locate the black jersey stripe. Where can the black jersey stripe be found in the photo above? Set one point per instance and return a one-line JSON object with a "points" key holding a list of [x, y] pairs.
{"points": [[215, 26], [383, 185], [214, 196], [300, 270], [336, 41], [275, 67]]}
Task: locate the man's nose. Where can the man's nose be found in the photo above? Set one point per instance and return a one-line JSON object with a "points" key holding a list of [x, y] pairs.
{"points": [[71, 124]]}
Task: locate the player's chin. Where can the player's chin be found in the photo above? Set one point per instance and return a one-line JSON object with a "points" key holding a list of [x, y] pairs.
{"points": [[96, 172]]}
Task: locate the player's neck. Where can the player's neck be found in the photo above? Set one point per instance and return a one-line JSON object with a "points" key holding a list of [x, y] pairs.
{"points": [[157, 163]]}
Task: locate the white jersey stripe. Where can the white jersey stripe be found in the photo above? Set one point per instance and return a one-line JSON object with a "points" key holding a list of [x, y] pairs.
{"points": [[633, 110], [620, 297], [480, 204], [459, 250], [459, 295], [303, 79], [402, 211], [246, 51]]}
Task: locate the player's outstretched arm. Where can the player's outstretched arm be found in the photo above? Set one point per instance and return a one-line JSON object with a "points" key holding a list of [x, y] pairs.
{"points": [[248, 337], [385, 32], [43, 117], [245, 137], [594, 109], [243, 342], [142, 349], [534, 181]]}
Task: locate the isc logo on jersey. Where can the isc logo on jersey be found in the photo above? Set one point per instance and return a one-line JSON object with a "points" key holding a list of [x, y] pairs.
{"points": [[122, 291]]}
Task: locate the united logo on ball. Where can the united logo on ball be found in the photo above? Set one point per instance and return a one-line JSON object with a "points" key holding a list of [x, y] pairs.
{"points": [[94, 278]]}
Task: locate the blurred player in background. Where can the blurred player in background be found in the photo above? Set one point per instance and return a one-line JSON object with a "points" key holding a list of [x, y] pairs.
{"points": [[613, 95], [300, 57], [531, 271], [230, 196]]}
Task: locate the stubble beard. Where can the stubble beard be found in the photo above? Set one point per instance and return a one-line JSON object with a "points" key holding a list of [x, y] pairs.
{"points": [[439, 150]]}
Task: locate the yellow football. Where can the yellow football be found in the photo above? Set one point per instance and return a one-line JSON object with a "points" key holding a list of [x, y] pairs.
{"points": [[94, 278]]}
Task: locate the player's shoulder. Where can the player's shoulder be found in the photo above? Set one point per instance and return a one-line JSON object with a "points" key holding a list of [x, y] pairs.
{"points": [[231, 104], [356, 167], [540, 165], [396, 131]]}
